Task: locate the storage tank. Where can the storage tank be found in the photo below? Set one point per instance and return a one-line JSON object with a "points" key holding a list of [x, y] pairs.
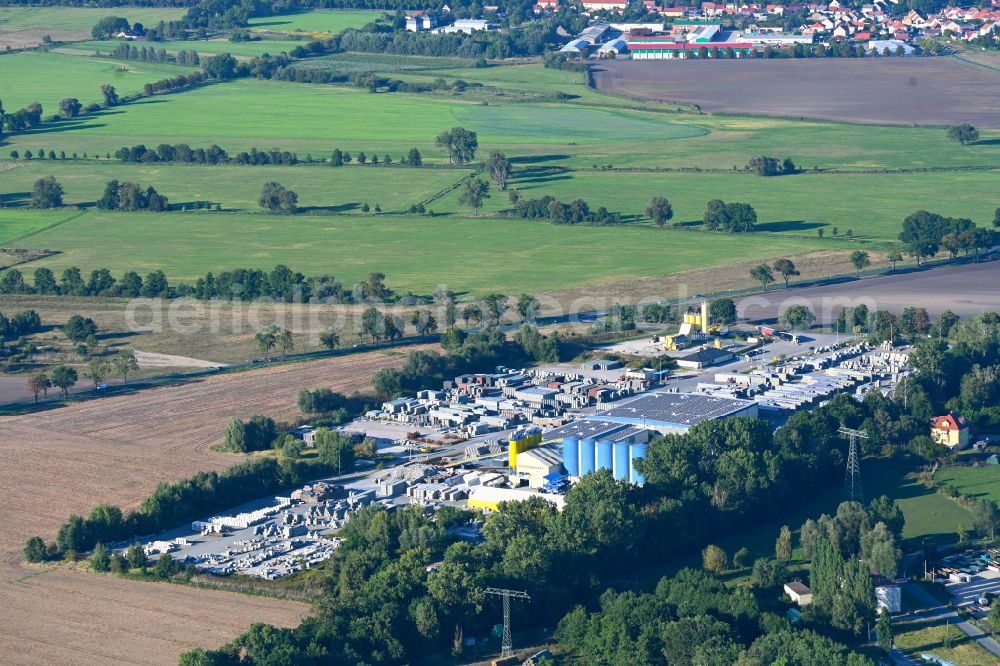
{"points": [[621, 461], [586, 456], [571, 455], [605, 457], [638, 451]]}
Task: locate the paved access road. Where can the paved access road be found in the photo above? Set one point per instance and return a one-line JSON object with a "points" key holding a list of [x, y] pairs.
{"points": [[966, 290]]}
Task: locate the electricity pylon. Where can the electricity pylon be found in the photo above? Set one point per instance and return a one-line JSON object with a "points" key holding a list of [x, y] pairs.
{"points": [[506, 645], [853, 492]]}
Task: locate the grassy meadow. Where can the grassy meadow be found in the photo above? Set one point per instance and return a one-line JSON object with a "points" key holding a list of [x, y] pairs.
{"points": [[979, 482], [235, 187], [80, 18], [872, 205], [49, 77], [561, 149], [318, 21], [917, 637], [318, 118], [417, 252]]}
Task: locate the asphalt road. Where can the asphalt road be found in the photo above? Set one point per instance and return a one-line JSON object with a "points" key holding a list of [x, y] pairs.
{"points": [[966, 290]]}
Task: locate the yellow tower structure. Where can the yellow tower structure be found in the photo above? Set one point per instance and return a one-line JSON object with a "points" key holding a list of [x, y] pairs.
{"points": [[521, 442]]}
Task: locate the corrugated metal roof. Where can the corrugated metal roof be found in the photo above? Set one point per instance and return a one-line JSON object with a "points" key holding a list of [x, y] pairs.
{"points": [[547, 455], [674, 409]]}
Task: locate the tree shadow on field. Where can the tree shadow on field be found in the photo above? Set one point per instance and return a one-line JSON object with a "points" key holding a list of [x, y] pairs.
{"points": [[540, 175], [688, 224], [987, 142], [270, 23], [340, 208], [787, 225], [115, 335], [536, 159], [15, 199], [65, 126]]}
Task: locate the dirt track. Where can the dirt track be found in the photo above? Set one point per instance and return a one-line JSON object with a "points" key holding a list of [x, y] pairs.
{"points": [[904, 91], [117, 450]]}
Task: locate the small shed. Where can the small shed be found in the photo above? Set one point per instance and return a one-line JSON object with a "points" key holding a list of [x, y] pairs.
{"points": [[799, 593]]}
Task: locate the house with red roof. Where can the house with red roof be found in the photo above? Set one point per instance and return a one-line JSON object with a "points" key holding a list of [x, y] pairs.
{"points": [[951, 430]]}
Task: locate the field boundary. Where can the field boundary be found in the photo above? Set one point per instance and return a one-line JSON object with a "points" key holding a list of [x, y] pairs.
{"points": [[74, 216]]}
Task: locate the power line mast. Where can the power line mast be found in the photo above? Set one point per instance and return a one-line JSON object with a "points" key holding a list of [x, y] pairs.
{"points": [[506, 645], [853, 492]]}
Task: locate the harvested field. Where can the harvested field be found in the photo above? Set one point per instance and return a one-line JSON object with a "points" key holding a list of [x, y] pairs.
{"points": [[904, 91], [965, 290], [61, 617], [117, 450]]}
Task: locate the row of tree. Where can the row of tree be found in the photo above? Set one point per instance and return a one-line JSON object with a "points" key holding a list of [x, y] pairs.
{"points": [[129, 51], [244, 284], [182, 153]]}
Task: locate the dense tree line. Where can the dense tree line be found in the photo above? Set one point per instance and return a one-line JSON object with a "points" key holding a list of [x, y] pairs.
{"points": [[182, 153], [129, 51], [256, 434], [763, 165], [694, 618], [72, 283], [21, 323], [925, 234], [245, 284], [131, 197], [29, 117], [729, 217], [576, 212], [958, 368]]}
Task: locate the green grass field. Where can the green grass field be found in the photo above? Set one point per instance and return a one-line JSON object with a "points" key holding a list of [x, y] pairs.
{"points": [[417, 253], [316, 21], [202, 46], [872, 205], [929, 514], [15, 225], [385, 64], [236, 187], [79, 18], [49, 77], [318, 118], [979, 482], [914, 638]]}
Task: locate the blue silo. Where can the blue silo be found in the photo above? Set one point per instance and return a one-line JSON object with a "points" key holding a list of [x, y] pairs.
{"points": [[586, 456], [605, 458], [571, 455], [621, 461], [638, 451]]}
